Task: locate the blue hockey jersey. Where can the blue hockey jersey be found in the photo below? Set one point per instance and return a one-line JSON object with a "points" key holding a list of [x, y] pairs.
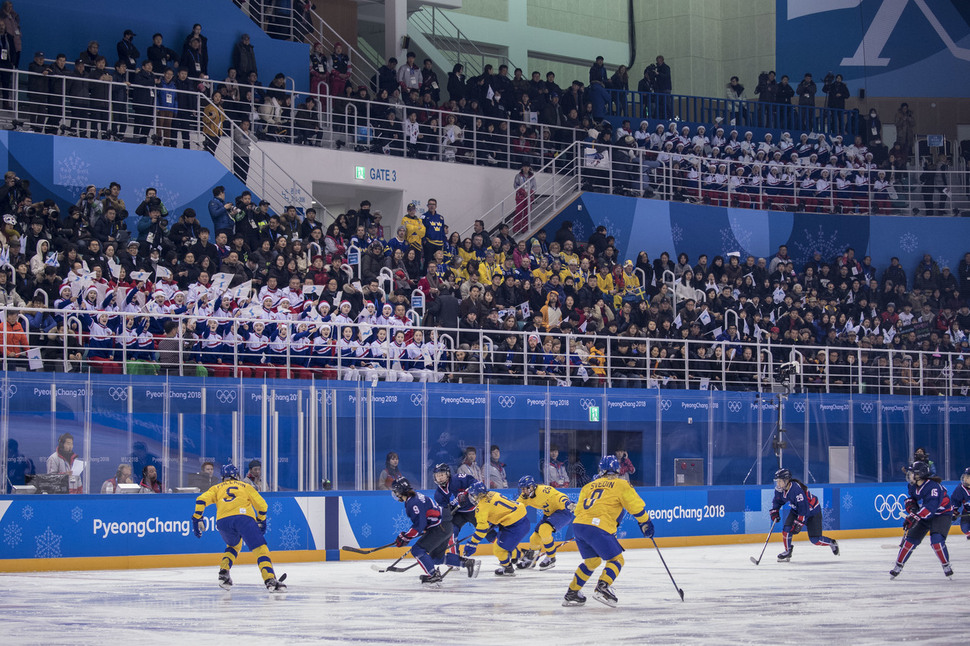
{"points": [[802, 502]]}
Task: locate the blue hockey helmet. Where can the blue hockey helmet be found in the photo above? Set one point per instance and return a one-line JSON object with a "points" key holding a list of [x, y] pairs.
{"points": [[965, 478], [921, 470], [782, 478], [444, 469], [527, 483], [400, 488], [229, 470], [476, 491], [609, 464]]}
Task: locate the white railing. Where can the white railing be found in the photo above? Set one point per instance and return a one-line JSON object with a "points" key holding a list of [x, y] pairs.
{"points": [[453, 44], [560, 359]]}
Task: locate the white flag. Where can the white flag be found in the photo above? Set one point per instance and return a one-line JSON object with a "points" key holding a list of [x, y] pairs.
{"points": [[241, 291], [526, 310], [163, 273], [220, 282], [140, 275], [705, 317]]}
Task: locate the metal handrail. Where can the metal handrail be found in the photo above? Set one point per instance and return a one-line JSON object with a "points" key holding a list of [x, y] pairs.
{"points": [[447, 37], [872, 370], [732, 113]]}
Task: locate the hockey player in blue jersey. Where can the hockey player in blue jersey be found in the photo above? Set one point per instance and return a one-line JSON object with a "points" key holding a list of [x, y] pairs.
{"points": [[961, 502], [436, 539], [804, 511], [451, 497], [929, 513]]}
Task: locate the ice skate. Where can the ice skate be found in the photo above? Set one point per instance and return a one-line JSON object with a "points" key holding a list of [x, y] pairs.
{"points": [[573, 598], [508, 570], [785, 556], [896, 570], [948, 571], [472, 566], [225, 581], [548, 563], [835, 547], [528, 560], [432, 580], [604, 594], [273, 585]]}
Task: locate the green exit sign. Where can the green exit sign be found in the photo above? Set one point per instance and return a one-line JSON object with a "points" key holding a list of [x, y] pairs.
{"points": [[594, 413], [361, 172]]}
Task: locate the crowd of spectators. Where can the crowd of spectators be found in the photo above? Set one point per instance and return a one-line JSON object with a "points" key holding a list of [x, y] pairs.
{"points": [[269, 294]]}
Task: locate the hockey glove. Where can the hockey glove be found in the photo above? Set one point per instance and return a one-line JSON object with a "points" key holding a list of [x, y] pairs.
{"points": [[796, 527], [470, 549], [197, 526], [910, 521], [261, 524], [461, 500], [402, 539], [775, 516], [911, 506], [647, 528], [571, 507]]}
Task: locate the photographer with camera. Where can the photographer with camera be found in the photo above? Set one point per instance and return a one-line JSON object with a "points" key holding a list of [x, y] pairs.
{"points": [[12, 192], [221, 211], [152, 232], [91, 209], [663, 84], [151, 200], [109, 228], [836, 93]]}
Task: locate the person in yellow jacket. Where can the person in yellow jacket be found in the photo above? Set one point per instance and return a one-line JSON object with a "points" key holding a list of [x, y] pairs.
{"points": [[415, 229], [599, 510], [212, 121], [240, 516], [605, 284], [507, 516], [632, 289]]}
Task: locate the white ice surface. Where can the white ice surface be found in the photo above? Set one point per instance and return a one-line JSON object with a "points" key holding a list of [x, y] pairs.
{"points": [[817, 598]]}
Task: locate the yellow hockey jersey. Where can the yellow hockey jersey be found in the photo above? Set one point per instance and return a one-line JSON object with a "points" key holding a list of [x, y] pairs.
{"points": [[232, 498], [602, 502], [547, 499], [495, 509]]}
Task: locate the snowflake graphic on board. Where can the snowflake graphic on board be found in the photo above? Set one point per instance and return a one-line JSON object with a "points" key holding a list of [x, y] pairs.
{"points": [[847, 501], [12, 535], [579, 230], [828, 521], [908, 242], [401, 522], [277, 507], [290, 537], [72, 171], [621, 533], [27, 512], [942, 262], [355, 508], [828, 245], [366, 531], [735, 526], [741, 233], [676, 233], [48, 545], [168, 197], [611, 228], [77, 514]]}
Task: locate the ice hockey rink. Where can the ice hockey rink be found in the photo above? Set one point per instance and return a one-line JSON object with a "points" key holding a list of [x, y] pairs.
{"points": [[817, 598]]}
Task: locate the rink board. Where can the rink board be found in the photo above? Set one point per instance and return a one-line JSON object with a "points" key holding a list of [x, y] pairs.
{"points": [[134, 531]]}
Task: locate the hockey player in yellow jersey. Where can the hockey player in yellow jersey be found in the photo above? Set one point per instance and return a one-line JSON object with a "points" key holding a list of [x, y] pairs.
{"points": [[600, 509], [507, 516], [240, 516], [557, 512]]}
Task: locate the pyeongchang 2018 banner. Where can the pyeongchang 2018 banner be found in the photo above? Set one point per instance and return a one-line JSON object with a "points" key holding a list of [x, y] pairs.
{"points": [[887, 47]]}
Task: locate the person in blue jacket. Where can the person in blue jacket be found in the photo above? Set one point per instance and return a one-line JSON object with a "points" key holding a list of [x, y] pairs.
{"points": [[451, 497], [930, 512], [961, 502], [804, 511], [435, 538]]}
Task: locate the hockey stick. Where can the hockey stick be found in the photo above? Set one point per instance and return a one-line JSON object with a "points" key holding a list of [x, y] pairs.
{"points": [[357, 550], [770, 530], [393, 566], [657, 547]]}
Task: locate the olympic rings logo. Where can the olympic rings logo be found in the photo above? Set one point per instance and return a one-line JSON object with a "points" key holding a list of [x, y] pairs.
{"points": [[866, 407], [118, 393], [586, 403], [734, 407], [891, 506], [925, 409], [506, 401], [9, 391], [226, 396], [417, 399], [665, 404], [799, 407]]}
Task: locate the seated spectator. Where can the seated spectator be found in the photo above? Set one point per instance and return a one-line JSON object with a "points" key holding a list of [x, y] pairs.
{"points": [[149, 481], [496, 470], [205, 478], [469, 465], [390, 472], [122, 476], [254, 476]]}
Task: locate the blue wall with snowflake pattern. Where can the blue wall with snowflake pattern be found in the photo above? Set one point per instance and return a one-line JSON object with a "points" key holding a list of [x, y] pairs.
{"points": [[60, 167], [655, 226]]}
